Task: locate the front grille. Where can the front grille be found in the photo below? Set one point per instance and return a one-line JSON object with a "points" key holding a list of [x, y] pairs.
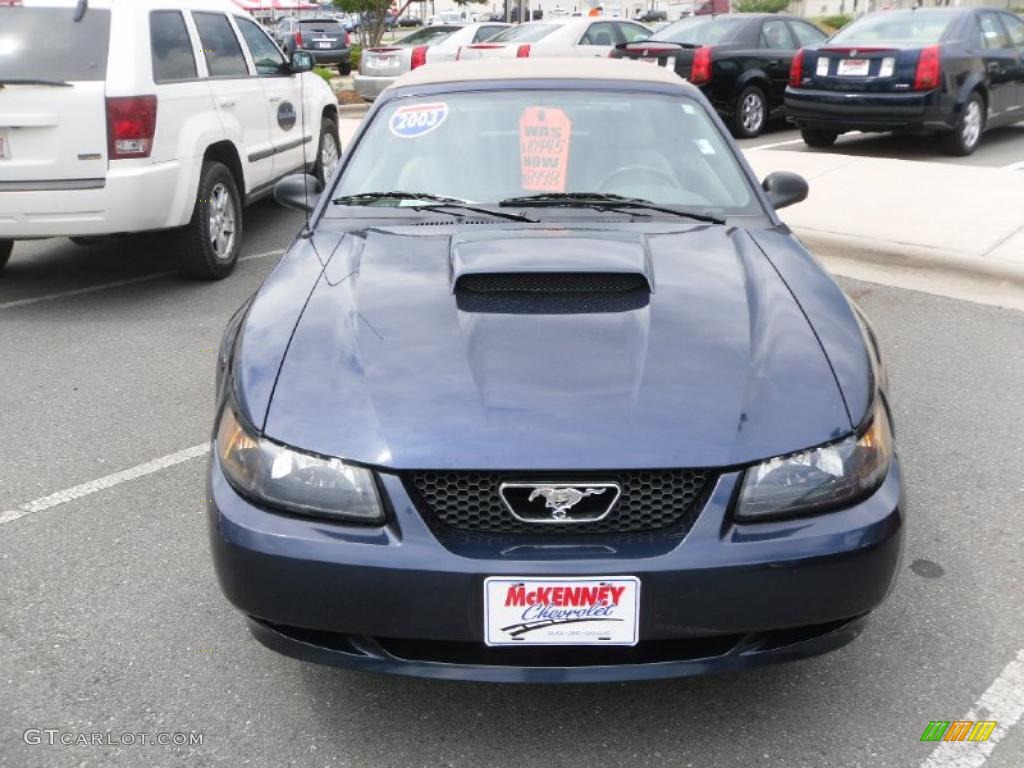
{"points": [[651, 499], [553, 282]]}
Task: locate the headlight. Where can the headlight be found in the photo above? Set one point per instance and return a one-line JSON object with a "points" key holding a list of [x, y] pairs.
{"points": [[292, 480], [823, 478]]}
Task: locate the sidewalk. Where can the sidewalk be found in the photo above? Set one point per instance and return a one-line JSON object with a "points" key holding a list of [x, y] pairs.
{"points": [[954, 217]]}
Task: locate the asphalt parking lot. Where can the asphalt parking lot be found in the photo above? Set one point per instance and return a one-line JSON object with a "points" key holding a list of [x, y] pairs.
{"points": [[999, 148], [111, 619]]}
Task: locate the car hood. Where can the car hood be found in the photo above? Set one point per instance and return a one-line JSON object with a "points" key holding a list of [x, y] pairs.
{"points": [[710, 363]]}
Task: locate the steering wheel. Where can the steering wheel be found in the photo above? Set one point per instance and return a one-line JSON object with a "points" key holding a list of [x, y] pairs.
{"points": [[646, 170]]}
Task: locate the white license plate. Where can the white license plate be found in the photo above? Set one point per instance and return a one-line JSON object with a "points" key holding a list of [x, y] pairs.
{"points": [[545, 611], [384, 61], [5, 145], [853, 67], [324, 45], [670, 61]]}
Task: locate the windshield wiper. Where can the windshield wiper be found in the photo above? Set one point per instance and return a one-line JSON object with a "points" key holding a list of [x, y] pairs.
{"points": [[603, 201], [437, 203], [34, 81]]}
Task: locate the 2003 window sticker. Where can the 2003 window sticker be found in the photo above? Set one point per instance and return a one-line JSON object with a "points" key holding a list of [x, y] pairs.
{"points": [[415, 120]]}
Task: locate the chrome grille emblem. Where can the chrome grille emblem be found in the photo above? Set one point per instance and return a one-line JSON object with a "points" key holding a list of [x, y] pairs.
{"points": [[547, 502]]}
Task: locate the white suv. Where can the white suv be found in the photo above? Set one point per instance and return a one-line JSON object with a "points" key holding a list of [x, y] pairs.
{"points": [[121, 116]]}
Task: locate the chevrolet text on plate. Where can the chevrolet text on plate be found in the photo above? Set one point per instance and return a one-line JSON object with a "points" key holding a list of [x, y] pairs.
{"points": [[525, 402]]}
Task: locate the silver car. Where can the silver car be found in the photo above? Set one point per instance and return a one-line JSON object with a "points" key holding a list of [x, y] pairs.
{"points": [[378, 67], [587, 36]]}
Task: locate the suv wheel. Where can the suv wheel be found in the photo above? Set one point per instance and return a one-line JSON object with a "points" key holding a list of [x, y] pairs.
{"points": [[751, 113], [328, 153], [816, 137], [6, 246], [213, 238], [963, 139]]}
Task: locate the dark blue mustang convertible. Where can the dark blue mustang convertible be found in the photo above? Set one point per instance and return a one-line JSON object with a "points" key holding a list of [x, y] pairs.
{"points": [[545, 391]]}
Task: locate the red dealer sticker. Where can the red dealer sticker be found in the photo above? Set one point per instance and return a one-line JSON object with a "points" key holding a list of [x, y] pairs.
{"points": [[544, 137]]}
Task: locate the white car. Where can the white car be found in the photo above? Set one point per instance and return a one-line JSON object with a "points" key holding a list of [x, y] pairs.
{"points": [[379, 67], [590, 36], [141, 115]]}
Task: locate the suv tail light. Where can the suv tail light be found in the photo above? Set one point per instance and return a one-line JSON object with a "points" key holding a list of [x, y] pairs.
{"points": [[348, 39], [523, 51], [796, 70], [928, 71], [131, 123], [298, 40], [419, 56], [700, 72]]}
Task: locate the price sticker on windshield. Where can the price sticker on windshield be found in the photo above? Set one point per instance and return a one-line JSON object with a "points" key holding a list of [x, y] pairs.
{"points": [[416, 120], [544, 138]]}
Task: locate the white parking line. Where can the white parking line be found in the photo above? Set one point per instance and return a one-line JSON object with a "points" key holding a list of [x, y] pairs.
{"points": [[115, 284], [1018, 166], [100, 484], [779, 144], [1002, 702]]}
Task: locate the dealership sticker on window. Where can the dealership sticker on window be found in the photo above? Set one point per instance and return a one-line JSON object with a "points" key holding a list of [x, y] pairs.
{"points": [[415, 120], [544, 137]]}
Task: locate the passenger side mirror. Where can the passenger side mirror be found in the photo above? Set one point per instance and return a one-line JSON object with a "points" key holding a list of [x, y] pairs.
{"points": [[299, 191], [302, 61], [785, 188]]}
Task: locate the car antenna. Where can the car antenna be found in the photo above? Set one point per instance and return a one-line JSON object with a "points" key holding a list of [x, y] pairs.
{"points": [[305, 162], [80, 9]]}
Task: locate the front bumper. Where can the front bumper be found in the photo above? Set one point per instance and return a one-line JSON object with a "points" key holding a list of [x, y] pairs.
{"points": [[855, 111], [408, 599], [131, 198], [369, 87]]}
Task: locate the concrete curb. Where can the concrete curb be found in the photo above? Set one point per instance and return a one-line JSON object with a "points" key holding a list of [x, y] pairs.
{"points": [[353, 110], [913, 258]]}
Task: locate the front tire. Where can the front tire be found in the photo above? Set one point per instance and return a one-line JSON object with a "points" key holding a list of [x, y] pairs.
{"points": [[213, 238], [816, 137], [750, 114], [328, 153], [6, 246], [963, 139]]}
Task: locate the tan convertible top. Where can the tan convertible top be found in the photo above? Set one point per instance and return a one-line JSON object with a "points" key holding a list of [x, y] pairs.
{"points": [[618, 70]]}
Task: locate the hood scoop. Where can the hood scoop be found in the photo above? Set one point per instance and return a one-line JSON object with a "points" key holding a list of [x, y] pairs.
{"points": [[550, 272]]}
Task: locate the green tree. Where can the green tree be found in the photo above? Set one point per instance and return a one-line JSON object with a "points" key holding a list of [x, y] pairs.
{"points": [[372, 13], [760, 6]]}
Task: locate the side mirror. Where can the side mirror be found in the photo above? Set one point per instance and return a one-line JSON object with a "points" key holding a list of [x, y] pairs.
{"points": [[302, 61], [299, 191], [785, 188]]}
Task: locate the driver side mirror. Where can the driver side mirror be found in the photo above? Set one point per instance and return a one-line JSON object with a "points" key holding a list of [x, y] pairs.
{"points": [[302, 61], [785, 188], [299, 191]]}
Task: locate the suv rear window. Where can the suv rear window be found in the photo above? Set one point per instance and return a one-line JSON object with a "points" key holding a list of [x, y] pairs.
{"points": [[907, 28], [47, 44], [173, 58]]}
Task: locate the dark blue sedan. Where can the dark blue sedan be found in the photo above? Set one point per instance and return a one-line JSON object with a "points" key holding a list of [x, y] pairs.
{"points": [[545, 391], [951, 71]]}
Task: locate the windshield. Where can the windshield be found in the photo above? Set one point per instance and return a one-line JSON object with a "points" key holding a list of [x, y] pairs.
{"points": [[698, 30], [47, 44], [489, 147], [524, 33], [427, 36], [908, 28]]}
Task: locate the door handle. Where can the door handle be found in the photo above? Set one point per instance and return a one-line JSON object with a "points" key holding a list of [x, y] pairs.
{"points": [[226, 102], [276, 98]]}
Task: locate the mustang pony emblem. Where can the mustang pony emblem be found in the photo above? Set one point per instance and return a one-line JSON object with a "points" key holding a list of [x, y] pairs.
{"points": [[561, 500]]}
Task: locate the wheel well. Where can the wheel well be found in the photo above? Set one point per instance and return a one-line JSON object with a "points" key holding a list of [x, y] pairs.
{"points": [[757, 81], [224, 152], [331, 111]]}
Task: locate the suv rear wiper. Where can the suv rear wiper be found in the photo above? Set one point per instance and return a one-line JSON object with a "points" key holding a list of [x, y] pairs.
{"points": [[34, 81], [603, 201], [436, 203]]}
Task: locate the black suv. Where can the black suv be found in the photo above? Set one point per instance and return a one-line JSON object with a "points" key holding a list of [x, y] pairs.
{"points": [[740, 61]]}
